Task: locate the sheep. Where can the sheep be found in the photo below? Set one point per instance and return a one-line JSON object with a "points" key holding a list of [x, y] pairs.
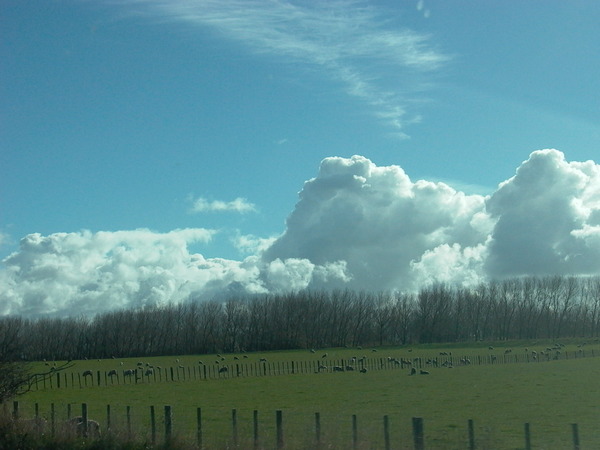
{"points": [[263, 359], [37, 424], [149, 372], [363, 370], [338, 369], [223, 369], [324, 355], [77, 423], [88, 373], [423, 372], [112, 373], [349, 368], [322, 367], [129, 372], [413, 371]]}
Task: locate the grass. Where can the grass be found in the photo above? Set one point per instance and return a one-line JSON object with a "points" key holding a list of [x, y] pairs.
{"points": [[499, 398]]}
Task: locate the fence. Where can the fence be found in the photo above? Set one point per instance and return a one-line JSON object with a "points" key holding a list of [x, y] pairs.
{"points": [[145, 373], [280, 439]]}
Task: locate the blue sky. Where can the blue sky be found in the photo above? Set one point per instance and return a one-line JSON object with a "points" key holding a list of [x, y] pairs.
{"points": [[165, 115]]}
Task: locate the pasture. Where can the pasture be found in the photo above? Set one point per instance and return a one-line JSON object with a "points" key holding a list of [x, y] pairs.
{"points": [[500, 397]]}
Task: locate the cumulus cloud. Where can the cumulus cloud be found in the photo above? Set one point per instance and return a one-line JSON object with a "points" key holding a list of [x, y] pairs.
{"points": [[239, 205], [356, 225], [547, 218], [382, 224], [86, 273]]}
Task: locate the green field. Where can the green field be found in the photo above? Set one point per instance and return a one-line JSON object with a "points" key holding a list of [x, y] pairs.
{"points": [[500, 398]]}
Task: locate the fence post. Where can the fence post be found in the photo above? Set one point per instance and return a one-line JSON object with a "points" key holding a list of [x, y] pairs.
{"points": [[354, 431], [527, 437], [417, 426], [318, 427], [84, 418], [255, 421], [68, 411], [15, 410], [386, 432], [128, 409], [153, 424], [199, 427], [234, 426], [279, 423], [575, 430], [108, 417], [471, 435], [52, 420], [168, 424]]}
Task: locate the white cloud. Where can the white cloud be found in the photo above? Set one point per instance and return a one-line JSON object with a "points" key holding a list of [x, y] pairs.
{"points": [[356, 225], [239, 205], [548, 216], [86, 273], [380, 223], [349, 41]]}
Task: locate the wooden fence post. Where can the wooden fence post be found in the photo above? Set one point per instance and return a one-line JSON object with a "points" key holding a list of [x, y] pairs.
{"points": [[279, 424], [52, 420], [153, 425], [199, 427], [417, 426], [128, 414], [68, 411], [84, 418], [255, 428], [354, 431], [107, 417], [234, 429], [471, 433], [386, 432], [168, 424], [575, 431], [15, 410], [318, 427], [527, 437]]}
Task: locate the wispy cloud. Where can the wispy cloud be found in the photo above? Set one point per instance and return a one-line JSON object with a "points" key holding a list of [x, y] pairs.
{"points": [[239, 205], [350, 41]]}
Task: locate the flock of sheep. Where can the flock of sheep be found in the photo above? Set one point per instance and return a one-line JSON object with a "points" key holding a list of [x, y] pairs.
{"points": [[359, 364]]}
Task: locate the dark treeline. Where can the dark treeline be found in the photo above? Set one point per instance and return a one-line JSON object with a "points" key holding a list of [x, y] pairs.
{"points": [[523, 308]]}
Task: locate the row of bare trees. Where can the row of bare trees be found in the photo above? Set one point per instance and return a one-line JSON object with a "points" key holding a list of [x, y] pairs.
{"points": [[521, 308]]}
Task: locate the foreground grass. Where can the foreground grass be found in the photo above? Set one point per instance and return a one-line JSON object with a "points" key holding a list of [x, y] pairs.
{"points": [[499, 398]]}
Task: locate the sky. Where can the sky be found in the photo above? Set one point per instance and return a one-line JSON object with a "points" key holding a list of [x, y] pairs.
{"points": [[156, 151]]}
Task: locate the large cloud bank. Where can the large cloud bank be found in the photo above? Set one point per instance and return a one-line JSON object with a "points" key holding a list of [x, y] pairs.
{"points": [[355, 225]]}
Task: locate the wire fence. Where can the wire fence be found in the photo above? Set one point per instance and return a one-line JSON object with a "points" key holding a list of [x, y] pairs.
{"points": [[277, 430], [147, 373]]}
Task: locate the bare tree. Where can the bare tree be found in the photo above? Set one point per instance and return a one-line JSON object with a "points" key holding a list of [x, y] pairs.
{"points": [[16, 376]]}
